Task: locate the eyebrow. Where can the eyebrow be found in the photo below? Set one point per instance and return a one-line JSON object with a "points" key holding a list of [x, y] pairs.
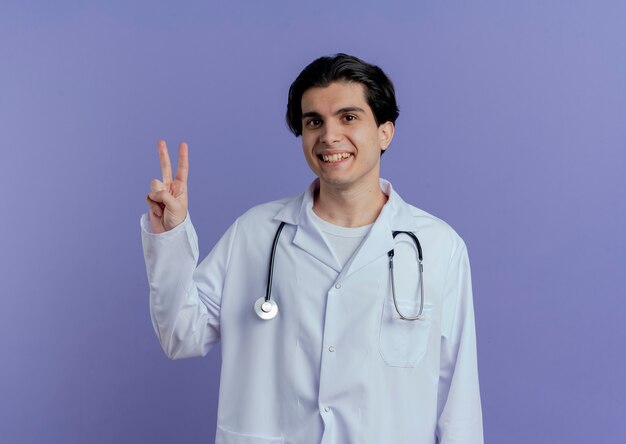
{"points": [[347, 109]]}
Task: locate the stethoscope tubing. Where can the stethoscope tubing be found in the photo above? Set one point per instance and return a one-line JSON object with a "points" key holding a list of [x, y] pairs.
{"points": [[270, 275], [420, 267], [266, 308]]}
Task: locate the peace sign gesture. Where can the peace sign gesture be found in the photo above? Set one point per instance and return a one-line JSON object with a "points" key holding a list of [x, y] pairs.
{"points": [[168, 198]]}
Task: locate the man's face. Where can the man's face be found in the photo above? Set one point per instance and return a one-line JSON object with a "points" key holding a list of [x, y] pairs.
{"points": [[340, 138]]}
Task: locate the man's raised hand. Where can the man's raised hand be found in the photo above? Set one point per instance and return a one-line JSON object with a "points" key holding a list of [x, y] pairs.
{"points": [[168, 198]]}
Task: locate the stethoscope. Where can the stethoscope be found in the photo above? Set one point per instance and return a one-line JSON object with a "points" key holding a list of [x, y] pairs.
{"points": [[266, 308]]}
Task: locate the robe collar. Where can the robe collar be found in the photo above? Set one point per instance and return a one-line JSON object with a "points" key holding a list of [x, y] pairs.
{"points": [[395, 216]]}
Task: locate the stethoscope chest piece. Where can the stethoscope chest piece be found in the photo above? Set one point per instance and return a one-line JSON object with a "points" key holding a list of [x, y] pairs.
{"points": [[265, 309]]}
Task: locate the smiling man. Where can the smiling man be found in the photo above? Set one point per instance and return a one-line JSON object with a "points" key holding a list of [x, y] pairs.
{"points": [[342, 143], [366, 330]]}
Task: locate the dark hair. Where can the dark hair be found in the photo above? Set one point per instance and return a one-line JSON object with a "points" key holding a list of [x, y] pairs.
{"points": [[380, 94]]}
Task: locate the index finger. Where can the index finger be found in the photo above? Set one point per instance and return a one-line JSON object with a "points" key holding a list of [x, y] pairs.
{"points": [[183, 162], [166, 166]]}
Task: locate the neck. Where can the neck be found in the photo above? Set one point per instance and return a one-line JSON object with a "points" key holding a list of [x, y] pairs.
{"points": [[349, 208]]}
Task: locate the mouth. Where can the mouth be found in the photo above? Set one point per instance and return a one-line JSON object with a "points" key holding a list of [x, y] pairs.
{"points": [[334, 158]]}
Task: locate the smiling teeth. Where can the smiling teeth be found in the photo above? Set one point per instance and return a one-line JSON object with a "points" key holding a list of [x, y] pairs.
{"points": [[335, 157]]}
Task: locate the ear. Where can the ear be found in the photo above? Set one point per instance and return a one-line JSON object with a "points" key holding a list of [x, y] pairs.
{"points": [[385, 134]]}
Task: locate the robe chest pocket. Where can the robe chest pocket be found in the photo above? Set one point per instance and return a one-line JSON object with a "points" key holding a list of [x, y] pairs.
{"points": [[227, 437], [403, 343]]}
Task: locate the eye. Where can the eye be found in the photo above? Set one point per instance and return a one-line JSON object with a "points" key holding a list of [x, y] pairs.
{"points": [[349, 117], [314, 122]]}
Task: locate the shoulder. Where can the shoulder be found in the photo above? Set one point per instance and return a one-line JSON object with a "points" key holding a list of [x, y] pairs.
{"points": [[437, 230], [266, 217], [438, 233], [267, 210]]}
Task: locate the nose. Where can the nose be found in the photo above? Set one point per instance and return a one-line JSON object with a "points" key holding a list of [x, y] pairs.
{"points": [[331, 133]]}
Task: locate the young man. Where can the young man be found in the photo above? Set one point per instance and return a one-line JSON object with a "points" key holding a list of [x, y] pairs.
{"points": [[343, 349]]}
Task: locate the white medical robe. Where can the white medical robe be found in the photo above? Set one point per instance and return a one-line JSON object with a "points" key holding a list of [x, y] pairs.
{"points": [[336, 365]]}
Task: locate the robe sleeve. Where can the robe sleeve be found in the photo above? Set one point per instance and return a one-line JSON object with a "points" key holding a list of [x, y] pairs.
{"points": [[459, 407], [185, 299]]}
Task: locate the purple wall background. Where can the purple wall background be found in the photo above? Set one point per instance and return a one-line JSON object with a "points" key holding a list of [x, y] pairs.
{"points": [[512, 129]]}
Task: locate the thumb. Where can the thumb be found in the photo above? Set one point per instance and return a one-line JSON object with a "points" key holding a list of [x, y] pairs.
{"points": [[163, 197]]}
